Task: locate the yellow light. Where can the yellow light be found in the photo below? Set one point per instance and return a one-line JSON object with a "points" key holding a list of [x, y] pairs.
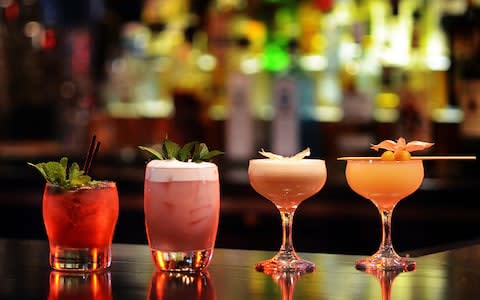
{"points": [[206, 62], [313, 62], [388, 100], [251, 65], [326, 113]]}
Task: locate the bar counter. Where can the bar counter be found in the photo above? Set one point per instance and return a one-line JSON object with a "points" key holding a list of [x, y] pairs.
{"points": [[451, 273]]}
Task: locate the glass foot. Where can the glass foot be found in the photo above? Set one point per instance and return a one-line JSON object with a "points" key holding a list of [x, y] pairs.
{"points": [[389, 263], [275, 265]]}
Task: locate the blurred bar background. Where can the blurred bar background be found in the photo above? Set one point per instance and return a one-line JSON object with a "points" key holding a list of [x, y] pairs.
{"points": [[241, 75]]}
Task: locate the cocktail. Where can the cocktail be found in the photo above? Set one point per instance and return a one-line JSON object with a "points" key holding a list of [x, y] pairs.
{"points": [[385, 181], [80, 215], [286, 181], [182, 207], [80, 224]]}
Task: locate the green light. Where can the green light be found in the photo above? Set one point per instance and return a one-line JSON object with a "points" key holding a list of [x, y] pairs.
{"points": [[275, 58]]}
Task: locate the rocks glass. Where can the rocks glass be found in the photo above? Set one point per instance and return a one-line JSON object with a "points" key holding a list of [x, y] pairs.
{"points": [[182, 207], [80, 224]]}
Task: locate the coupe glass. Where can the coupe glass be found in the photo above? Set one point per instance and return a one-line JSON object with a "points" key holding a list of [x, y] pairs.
{"points": [[286, 182], [385, 183]]}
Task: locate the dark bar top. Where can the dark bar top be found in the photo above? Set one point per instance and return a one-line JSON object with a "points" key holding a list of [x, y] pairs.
{"points": [[452, 273]]}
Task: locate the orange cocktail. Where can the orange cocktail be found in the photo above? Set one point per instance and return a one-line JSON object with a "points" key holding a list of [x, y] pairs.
{"points": [[384, 183], [286, 182], [386, 180], [80, 225]]}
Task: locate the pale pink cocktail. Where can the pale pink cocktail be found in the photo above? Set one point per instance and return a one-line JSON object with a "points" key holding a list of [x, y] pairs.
{"points": [[287, 183], [182, 206]]}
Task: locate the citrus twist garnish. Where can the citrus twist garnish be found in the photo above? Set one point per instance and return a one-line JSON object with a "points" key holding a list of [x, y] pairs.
{"points": [[400, 150], [299, 155]]}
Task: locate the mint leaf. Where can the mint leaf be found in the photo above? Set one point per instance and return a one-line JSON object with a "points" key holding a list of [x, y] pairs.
{"points": [[58, 173], [152, 151], [192, 151], [77, 176], [170, 149], [210, 155], [200, 151], [184, 153], [64, 162], [40, 168]]}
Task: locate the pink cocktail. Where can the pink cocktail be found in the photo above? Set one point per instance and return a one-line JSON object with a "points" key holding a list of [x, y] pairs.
{"points": [[287, 183], [182, 206]]}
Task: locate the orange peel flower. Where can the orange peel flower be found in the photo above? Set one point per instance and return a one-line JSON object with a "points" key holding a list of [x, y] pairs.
{"points": [[401, 145], [299, 155]]}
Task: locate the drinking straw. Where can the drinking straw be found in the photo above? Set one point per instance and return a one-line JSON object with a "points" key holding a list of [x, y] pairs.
{"points": [[91, 153]]}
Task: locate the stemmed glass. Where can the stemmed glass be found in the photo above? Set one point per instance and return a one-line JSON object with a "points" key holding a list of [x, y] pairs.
{"points": [[286, 182], [385, 183]]}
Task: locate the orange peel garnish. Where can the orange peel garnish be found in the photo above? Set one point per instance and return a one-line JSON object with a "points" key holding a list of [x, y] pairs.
{"points": [[401, 145], [299, 155]]}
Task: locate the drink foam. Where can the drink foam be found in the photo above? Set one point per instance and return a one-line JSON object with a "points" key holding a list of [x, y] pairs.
{"points": [[174, 170]]}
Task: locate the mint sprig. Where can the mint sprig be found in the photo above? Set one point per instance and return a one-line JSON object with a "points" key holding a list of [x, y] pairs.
{"points": [[58, 173], [192, 151]]}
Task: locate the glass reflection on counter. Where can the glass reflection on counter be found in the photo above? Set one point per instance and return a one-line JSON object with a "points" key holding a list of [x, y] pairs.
{"points": [[175, 285], [286, 281], [80, 286], [385, 279]]}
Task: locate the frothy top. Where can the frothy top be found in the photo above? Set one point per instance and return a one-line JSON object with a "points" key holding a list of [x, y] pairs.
{"points": [[174, 170], [287, 167]]}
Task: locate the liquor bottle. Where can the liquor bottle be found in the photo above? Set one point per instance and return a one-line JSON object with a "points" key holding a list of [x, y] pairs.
{"points": [[414, 121], [293, 104], [239, 123]]}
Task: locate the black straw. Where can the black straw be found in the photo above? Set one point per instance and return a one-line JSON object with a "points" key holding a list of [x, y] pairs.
{"points": [[92, 152]]}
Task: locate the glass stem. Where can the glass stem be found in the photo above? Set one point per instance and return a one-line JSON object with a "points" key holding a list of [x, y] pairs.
{"points": [[287, 222], [386, 246]]}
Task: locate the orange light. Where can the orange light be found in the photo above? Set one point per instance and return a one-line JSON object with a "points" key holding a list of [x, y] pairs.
{"points": [[95, 258], [159, 259], [96, 288]]}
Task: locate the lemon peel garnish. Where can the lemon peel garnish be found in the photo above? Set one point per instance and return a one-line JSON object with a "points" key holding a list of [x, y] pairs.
{"points": [[401, 145], [299, 155]]}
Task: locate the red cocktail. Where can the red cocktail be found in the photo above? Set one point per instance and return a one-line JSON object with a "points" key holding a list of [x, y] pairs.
{"points": [[80, 223]]}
